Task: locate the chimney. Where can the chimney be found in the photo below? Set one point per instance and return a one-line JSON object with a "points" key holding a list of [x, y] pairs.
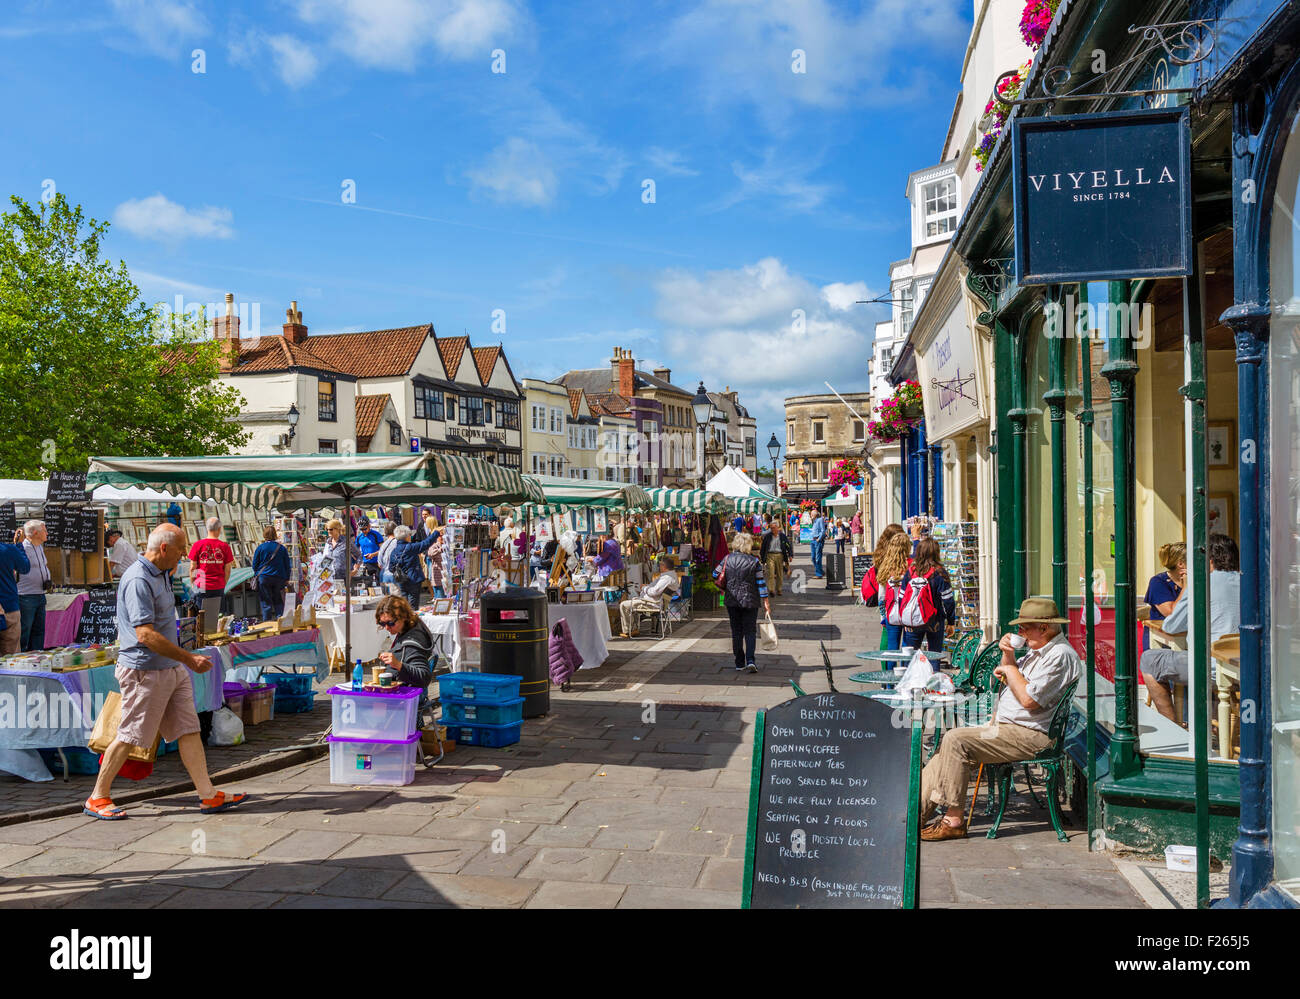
{"points": [[665, 373], [225, 330], [622, 367], [294, 330]]}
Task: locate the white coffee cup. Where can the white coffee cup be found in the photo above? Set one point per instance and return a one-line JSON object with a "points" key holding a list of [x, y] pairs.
{"points": [[1017, 641]]}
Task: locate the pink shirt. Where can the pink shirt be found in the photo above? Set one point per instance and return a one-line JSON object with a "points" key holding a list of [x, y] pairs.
{"points": [[210, 556]]}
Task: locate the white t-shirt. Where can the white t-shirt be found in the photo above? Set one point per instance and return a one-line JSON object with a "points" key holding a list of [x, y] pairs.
{"points": [[122, 556]]}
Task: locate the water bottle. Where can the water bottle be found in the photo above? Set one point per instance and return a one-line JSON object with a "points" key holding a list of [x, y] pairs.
{"points": [[358, 677]]}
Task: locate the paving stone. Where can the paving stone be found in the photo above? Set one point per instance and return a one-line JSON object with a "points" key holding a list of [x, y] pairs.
{"points": [[519, 787], [406, 852], [575, 895], [228, 840], [648, 897], [935, 886], [308, 844], [731, 820], [124, 896], [655, 868], [562, 835], [598, 787], [210, 898], [722, 875], [626, 839], [101, 835], [46, 829], [144, 864], [502, 865], [462, 891], [1030, 888], [12, 853], [631, 813], [283, 879], [361, 882], [521, 809], [342, 902], [689, 841], [557, 771], [208, 872], [703, 798], [673, 779], [379, 820], [54, 893], [568, 864], [59, 861]]}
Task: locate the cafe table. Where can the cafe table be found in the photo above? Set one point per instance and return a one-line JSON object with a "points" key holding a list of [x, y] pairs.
{"points": [[884, 676], [1226, 653], [899, 655]]}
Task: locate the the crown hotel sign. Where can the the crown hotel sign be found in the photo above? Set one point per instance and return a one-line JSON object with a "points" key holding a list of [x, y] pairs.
{"points": [[1102, 197]]}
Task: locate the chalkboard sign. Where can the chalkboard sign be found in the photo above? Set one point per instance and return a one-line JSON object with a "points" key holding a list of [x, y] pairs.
{"points": [[861, 563], [66, 487], [81, 531], [99, 617], [8, 521], [53, 517], [833, 806]]}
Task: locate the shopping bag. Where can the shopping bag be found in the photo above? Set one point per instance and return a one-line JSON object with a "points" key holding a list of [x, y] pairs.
{"points": [[767, 634], [227, 728], [105, 731], [917, 674]]}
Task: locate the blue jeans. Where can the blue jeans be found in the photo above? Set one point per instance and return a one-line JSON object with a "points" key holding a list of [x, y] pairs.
{"points": [[31, 607], [919, 637], [817, 547], [270, 594], [893, 636]]}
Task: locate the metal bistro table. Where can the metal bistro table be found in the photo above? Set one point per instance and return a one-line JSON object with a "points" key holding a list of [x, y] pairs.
{"points": [[888, 677]]}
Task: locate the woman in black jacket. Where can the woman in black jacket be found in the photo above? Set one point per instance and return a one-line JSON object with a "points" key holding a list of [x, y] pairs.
{"points": [[412, 653], [741, 577]]}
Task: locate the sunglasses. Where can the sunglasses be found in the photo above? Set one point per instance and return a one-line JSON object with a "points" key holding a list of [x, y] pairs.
{"points": [[387, 624]]}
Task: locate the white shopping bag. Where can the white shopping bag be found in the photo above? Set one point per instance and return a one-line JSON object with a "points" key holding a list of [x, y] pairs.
{"points": [[917, 674], [227, 728], [767, 640]]}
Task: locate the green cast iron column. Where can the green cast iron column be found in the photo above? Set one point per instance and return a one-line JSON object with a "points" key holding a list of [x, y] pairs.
{"points": [[1003, 373], [1054, 398], [1089, 627], [1120, 370], [1019, 416]]}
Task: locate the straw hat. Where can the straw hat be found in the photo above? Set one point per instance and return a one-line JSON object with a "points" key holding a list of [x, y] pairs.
{"points": [[1039, 610]]}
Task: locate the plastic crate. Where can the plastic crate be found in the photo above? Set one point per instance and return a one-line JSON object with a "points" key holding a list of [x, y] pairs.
{"points": [[80, 761], [491, 736], [369, 761], [478, 713], [482, 688], [374, 714], [294, 704], [290, 683]]}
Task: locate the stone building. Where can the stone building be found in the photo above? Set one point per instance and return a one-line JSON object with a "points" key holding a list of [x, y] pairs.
{"points": [[819, 430]]}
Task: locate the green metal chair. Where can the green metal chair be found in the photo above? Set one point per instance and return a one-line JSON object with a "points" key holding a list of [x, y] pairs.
{"points": [[1051, 759], [963, 654], [799, 691], [980, 679]]}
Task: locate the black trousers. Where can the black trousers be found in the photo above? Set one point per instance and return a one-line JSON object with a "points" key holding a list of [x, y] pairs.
{"points": [[744, 633]]}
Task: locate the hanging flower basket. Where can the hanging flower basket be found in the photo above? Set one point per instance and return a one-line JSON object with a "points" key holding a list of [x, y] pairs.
{"points": [[1035, 19]]}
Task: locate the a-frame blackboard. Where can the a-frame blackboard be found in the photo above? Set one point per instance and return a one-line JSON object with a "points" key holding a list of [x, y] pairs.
{"points": [[834, 803]]}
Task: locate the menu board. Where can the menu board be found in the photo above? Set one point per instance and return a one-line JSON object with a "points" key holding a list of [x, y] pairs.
{"points": [[53, 517], [81, 531], [66, 487], [8, 521], [861, 563], [99, 617], [834, 806]]}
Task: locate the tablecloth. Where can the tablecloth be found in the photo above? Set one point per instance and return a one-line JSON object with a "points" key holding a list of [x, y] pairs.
{"points": [[62, 616], [368, 639], [245, 661], [589, 624], [446, 636]]}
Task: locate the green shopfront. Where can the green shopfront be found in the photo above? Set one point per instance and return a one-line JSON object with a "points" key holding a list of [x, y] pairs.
{"points": [[1140, 410]]}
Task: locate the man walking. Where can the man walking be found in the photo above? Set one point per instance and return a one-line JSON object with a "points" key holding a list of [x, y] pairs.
{"points": [[818, 542], [369, 541], [776, 553], [32, 586], [153, 674], [210, 561], [13, 560]]}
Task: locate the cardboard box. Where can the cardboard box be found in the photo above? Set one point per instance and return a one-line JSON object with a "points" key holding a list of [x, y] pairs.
{"points": [[257, 706]]}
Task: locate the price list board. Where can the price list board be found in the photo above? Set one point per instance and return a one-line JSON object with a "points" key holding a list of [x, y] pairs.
{"points": [[66, 487], [834, 806], [8, 521], [53, 517], [84, 530]]}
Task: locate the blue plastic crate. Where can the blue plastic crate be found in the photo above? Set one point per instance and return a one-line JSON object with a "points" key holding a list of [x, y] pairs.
{"points": [[80, 761], [478, 713], [482, 688], [290, 683], [491, 736], [292, 704]]}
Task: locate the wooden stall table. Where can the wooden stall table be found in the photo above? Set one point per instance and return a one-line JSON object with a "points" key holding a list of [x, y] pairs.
{"points": [[1227, 659]]}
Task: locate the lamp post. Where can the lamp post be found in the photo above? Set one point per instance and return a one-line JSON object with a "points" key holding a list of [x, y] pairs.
{"points": [[774, 451], [702, 409], [293, 421]]}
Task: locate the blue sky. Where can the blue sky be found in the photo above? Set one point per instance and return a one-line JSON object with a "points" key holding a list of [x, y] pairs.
{"points": [[522, 190]]}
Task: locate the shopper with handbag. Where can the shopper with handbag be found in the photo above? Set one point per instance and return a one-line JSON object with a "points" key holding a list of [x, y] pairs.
{"points": [[405, 565], [740, 575]]}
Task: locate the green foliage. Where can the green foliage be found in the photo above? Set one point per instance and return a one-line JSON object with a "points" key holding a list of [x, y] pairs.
{"points": [[86, 368]]}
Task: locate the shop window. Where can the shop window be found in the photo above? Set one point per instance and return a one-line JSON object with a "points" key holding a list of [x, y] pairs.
{"points": [[451, 408], [394, 433], [859, 431], [508, 415], [538, 414], [487, 413], [471, 413], [428, 403], [789, 434], [904, 313], [326, 401]]}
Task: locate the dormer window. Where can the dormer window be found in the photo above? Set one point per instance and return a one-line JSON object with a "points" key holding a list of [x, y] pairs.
{"points": [[939, 201]]}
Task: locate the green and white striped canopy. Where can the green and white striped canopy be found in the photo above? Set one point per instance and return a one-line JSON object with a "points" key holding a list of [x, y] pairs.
{"points": [[574, 494], [755, 504], [688, 500], [315, 480]]}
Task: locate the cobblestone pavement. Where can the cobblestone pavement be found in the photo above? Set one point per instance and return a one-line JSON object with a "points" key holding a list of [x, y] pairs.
{"points": [[631, 793]]}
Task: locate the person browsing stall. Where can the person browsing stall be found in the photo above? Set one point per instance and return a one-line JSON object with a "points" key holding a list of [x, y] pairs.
{"points": [[121, 553], [776, 553], [650, 599], [1032, 690], [32, 587], [13, 563], [368, 542], [271, 571], [405, 565], [153, 675], [210, 561]]}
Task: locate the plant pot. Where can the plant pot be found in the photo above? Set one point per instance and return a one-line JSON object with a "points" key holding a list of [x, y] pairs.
{"points": [[910, 411]]}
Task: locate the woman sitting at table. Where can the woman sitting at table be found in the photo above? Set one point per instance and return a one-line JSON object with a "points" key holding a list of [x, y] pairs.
{"points": [[1164, 587], [411, 656]]}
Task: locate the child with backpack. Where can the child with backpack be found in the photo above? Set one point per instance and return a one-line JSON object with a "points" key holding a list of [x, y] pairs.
{"points": [[880, 584], [925, 600]]}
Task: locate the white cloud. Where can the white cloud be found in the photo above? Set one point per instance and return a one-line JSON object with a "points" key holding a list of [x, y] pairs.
{"points": [[155, 217], [164, 27], [516, 172], [295, 62], [768, 333], [780, 180], [393, 34], [668, 162]]}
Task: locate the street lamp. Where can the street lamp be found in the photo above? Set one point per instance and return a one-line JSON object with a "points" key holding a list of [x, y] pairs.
{"points": [[774, 451], [293, 419], [702, 408]]}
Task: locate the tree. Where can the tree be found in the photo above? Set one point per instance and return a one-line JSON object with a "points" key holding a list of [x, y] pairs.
{"points": [[86, 367]]}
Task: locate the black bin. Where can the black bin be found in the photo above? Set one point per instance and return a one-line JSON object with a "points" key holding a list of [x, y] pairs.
{"points": [[513, 636], [835, 570]]}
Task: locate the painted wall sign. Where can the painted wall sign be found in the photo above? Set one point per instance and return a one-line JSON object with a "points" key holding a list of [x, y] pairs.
{"points": [[1102, 197]]}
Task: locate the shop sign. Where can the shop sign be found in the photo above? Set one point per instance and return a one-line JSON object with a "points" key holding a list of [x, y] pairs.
{"points": [[1102, 197], [946, 371]]}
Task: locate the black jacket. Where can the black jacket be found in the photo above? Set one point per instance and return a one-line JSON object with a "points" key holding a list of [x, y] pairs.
{"points": [[787, 549], [412, 650]]}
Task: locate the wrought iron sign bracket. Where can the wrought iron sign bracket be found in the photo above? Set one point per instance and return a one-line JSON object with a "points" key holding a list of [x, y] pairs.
{"points": [[1184, 43]]}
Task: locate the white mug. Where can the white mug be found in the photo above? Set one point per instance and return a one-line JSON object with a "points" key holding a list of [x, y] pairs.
{"points": [[1017, 641]]}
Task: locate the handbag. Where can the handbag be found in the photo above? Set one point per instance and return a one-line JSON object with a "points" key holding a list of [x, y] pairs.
{"points": [[105, 731], [768, 641]]}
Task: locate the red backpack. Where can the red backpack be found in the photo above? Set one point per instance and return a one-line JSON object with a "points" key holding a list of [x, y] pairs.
{"points": [[913, 602]]}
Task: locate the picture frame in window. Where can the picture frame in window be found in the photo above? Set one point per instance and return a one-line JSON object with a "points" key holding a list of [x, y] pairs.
{"points": [[1221, 443], [1220, 516]]}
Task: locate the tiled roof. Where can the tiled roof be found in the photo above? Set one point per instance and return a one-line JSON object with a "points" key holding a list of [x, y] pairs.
{"points": [[575, 402], [275, 353], [452, 348], [485, 359], [376, 354], [608, 404], [593, 381], [370, 410]]}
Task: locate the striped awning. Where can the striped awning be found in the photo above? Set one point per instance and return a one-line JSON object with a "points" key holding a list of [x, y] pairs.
{"points": [[688, 500], [309, 481], [560, 495], [754, 504]]}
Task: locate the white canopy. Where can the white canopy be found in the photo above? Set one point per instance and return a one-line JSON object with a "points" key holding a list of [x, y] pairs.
{"points": [[845, 496], [33, 491]]}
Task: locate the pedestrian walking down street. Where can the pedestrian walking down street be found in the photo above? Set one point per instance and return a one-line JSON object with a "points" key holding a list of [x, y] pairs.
{"points": [[32, 587], [153, 675], [855, 529], [818, 543], [271, 571], [384, 556], [741, 577], [841, 535], [776, 553]]}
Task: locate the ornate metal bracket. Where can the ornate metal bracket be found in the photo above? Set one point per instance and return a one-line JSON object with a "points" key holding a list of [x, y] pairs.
{"points": [[952, 389], [1184, 43]]}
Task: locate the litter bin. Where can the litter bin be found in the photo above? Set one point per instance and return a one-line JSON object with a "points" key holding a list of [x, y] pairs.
{"points": [[835, 570], [513, 638]]}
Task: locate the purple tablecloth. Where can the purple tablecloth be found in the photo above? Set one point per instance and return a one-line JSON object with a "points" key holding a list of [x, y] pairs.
{"points": [[61, 626]]}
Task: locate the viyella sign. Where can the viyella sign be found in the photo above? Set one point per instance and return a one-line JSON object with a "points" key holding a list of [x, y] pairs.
{"points": [[1102, 197]]}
